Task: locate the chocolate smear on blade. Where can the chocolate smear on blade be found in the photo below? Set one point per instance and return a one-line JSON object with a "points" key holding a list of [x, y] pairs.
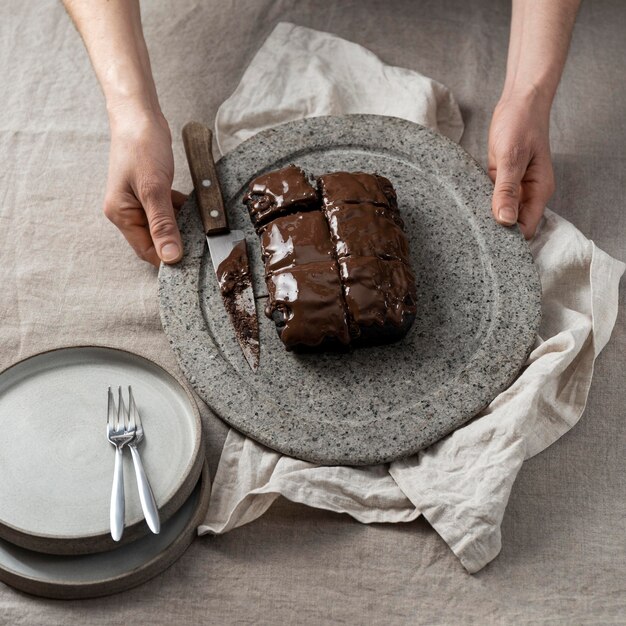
{"points": [[235, 281]]}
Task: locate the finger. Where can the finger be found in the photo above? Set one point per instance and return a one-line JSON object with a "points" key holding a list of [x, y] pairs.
{"points": [[529, 218], [178, 199], [535, 196], [141, 242], [506, 192], [131, 221], [492, 167], [157, 203]]}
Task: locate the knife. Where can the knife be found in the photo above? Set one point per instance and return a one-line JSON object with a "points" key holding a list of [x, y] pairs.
{"points": [[226, 247]]}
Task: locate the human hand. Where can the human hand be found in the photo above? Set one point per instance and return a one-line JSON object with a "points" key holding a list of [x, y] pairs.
{"points": [[520, 164], [139, 198]]}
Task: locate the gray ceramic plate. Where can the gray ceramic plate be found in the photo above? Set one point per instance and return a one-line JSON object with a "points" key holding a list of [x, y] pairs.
{"points": [[56, 463], [92, 575], [479, 304]]}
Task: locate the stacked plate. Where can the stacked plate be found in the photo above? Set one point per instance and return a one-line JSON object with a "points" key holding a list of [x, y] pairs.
{"points": [[57, 468]]}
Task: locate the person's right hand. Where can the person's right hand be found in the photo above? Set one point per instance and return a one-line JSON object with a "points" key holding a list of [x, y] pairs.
{"points": [[139, 198]]}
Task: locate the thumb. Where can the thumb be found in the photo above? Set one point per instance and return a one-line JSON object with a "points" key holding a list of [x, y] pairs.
{"points": [[162, 223], [506, 194]]}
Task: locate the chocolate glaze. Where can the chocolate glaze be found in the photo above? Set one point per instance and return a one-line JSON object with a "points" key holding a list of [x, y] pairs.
{"points": [[278, 193], [340, 274], [378, 291], [392, 199], [309, 301], [341, 188], [296, 240], [233, 276], [347, 187], [388, 190], [373, 253], [365, 229], [233, 273]]}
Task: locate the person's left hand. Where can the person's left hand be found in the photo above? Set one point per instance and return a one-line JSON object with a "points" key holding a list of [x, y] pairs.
{"points": [[520, 164]]}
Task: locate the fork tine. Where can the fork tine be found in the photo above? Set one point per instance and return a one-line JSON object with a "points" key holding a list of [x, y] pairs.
{"points": [[110, 412], [135, 421], [121, 411]]}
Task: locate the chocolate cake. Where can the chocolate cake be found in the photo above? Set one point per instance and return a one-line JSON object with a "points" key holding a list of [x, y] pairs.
{"points": [[336, 258], [279, 193]]}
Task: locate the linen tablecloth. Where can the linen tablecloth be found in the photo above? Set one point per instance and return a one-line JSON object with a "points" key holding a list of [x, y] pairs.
{"points": [[68, 276]]}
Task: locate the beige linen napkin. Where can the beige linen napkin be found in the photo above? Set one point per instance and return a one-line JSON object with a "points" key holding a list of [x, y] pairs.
{"points": [[461, 484]]}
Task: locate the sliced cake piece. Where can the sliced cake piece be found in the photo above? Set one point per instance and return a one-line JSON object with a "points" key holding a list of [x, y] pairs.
{"points": [[306, 304], [341, 188], [365, 229], [352, 187], [279, 193], [296, 240], [380, 296]]}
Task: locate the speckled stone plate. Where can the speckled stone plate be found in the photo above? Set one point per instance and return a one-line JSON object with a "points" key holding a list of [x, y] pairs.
{"points": [[478, 304]]}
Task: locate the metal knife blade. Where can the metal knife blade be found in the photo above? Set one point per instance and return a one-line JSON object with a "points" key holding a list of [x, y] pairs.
{"points": [[230, 262], [234, 278], [220, 246]]}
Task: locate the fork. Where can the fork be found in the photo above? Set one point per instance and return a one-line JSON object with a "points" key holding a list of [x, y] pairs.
{"points": [[118, 435], [146, 496]]}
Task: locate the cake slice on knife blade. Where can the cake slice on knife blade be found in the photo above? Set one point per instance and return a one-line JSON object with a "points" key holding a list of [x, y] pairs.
{"points": [[227, 247]]}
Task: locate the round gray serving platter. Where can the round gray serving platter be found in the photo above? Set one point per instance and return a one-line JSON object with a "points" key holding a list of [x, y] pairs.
{"points": [[479, 303]]}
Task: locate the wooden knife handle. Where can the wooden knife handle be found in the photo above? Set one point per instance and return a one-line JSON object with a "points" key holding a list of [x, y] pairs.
{"points": [[198, 140]]}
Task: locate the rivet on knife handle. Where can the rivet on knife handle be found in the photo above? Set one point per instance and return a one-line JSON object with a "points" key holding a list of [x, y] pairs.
{"points": [[198, 140]]}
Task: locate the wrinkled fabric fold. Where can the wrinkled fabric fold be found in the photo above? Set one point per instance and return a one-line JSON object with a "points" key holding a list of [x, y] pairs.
{"points": [[461, 484], [300, 72]]}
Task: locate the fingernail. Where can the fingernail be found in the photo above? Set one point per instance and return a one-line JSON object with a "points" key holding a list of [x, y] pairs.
{"points": [[170, 252], [507, 215]]}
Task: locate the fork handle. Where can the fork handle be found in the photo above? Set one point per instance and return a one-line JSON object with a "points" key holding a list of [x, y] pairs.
{"points": [[146, 496], [116, 513]]}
